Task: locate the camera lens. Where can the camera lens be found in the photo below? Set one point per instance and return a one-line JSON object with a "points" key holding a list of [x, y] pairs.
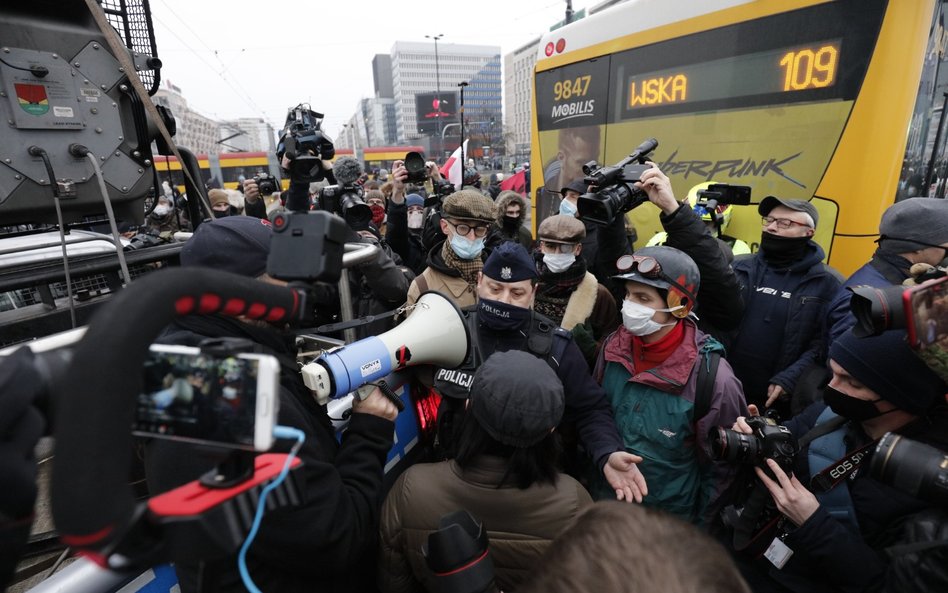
{"points": [[877, 309], [913, 467], [733, 447]]}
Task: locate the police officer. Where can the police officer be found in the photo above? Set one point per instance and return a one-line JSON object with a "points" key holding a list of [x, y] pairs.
{"points": [[503, 319]]}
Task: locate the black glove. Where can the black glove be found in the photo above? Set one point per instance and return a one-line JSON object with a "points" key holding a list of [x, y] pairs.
{"points": [[585, 341]]}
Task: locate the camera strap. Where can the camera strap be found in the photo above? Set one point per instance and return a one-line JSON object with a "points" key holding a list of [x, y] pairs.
{"points": [[847, 467]]}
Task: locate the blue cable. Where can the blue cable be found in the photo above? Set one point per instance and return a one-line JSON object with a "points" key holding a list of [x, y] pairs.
{"points": [[280, 432]]}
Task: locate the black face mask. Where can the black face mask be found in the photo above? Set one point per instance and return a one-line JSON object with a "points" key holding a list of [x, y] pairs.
{"points": [[850, 407], [500, 316], [783, 252], [511, 223], [229, 212]]}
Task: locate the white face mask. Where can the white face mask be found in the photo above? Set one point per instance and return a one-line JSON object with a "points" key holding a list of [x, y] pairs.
{"points": [[416, 219], [558, 262], [638, 320], [162, 210]]}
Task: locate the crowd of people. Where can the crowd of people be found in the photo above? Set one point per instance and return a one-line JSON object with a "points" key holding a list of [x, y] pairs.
{"points": [[595, 374]]}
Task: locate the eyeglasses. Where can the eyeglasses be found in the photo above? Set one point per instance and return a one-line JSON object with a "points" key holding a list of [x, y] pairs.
{"points": [[463, 229], [558, 247], [782, 223], [643, 264]]}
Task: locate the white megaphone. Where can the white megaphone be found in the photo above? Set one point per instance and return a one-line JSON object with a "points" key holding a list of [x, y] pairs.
{"points": [[435, 333]]}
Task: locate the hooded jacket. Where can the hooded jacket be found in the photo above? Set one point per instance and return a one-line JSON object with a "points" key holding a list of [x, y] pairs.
{"points": [[797, 339], [655, 414], [522, 235]]}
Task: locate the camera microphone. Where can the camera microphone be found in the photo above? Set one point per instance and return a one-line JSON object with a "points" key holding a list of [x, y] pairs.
{"points": [[643, 149], [347, 170]]}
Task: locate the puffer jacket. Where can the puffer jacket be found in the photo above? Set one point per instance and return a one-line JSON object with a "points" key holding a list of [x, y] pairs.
{"points": [[520, 524]]}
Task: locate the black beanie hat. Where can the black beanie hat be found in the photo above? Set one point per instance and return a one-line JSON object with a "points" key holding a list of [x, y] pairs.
{"points": [[887, 365]]}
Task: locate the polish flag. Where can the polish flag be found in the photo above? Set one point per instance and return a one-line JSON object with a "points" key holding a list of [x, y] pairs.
{"points": [[453, 169]]}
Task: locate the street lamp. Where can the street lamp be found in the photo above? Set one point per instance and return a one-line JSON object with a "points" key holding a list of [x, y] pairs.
{"points": [[438, 83], [462, 84]]}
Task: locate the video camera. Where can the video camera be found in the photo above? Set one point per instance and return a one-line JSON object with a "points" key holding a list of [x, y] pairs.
{"points": [[916, 468], [614, 191], [922, 310], [266, 183], [304, 143], [721, 194]]}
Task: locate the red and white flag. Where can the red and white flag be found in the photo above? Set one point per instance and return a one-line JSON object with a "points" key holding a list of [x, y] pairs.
{"points": [[453, 169]]}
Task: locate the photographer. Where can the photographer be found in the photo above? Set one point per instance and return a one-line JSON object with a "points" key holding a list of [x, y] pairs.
{"points": [[839, 518], [256, 202], [406, 220], [327, 543]]}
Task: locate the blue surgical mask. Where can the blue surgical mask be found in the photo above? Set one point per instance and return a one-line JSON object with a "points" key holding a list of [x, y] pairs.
{"points": [[567, 208], [465, 248]]}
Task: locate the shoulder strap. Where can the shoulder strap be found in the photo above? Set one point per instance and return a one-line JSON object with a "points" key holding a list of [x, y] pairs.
{"points": [[540, 339], [707, 374], [422, 283], [709, 357]]}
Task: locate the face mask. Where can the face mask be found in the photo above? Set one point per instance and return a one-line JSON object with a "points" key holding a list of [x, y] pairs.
{"points": [[783, 251], [558, 262], [465, 248], [638, 320], [416, 219], [501, 316], [567, 208], [378, 215], [511, 223], [161, 211], [850, 407]]}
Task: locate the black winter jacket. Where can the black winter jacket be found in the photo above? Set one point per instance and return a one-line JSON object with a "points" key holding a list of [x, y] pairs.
{"points": [[324, 545], [720, 305], [406, 243], [802, 340]]}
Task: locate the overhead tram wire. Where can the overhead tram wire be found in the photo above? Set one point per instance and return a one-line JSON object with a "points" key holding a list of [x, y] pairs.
{"points": [[239, 92]]}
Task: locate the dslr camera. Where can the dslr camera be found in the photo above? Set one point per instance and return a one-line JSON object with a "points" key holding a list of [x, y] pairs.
{"points": [[769, 440], [416, 167], [346, 201], [266, 183], [615, 193], [304, 143]]}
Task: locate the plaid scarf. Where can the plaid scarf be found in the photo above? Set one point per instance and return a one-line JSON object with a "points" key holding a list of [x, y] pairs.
{"points": [[555, 289], [467, 268]]}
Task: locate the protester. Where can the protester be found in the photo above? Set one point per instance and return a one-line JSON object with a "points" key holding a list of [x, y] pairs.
{"points": [[568, 294], [454, 264], [325, 543], [504, 474], [406, 218], [511, 215], [651, 369]]}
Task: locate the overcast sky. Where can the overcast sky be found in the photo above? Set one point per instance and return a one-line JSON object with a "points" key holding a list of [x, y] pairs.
{"points": [[236, 59]]}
